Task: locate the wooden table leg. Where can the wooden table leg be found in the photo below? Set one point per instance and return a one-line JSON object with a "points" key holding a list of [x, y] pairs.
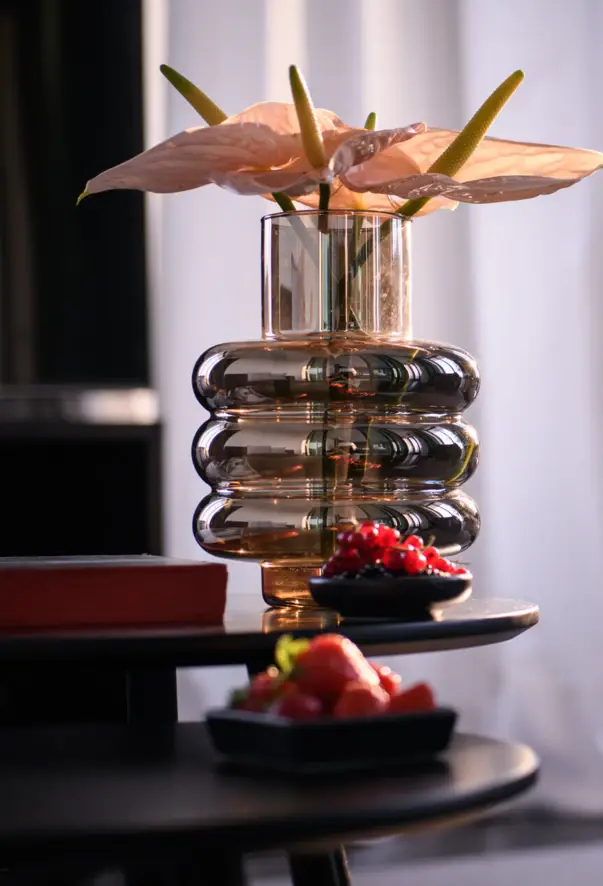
{"points": [[328, 869]]}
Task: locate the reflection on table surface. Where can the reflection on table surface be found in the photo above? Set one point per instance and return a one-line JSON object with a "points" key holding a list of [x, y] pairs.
{"points": [[249, 616]]}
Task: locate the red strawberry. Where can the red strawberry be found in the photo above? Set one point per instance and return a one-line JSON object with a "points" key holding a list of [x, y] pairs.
{"points": [[298, 705], [328, 664], [419, 697], [359, 700], [388, 679], [260, 693]]}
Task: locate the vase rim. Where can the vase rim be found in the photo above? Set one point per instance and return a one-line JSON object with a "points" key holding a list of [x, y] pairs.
{"points": [[365, 213]]}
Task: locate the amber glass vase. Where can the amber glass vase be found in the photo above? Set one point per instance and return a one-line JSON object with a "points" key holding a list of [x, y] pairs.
{"points": [[336, 414]]}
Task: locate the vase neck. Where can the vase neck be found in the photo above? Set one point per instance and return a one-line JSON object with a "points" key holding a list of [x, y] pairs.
{"points": [[333, 273]]}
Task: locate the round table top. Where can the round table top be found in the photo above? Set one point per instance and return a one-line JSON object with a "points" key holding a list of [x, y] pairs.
{"points": [[249, 634], [115, 792]]}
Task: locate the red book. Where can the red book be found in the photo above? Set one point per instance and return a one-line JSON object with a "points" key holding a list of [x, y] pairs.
{"points": [[86, 592]]}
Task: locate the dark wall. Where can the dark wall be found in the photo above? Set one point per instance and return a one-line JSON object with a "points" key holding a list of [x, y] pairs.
{"points": [[73, 311], [73, 295]]}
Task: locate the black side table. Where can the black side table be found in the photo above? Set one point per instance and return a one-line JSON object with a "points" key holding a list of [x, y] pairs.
{"points": [[139, 798], [150, 657], [124, 794]]}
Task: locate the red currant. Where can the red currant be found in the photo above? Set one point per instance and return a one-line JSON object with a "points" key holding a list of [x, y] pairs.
{"points": [[394, 558], [432, 554], [443, 565], [460, 570], [388, 536], [356, 540], [414, 562], [369, 524], [370, 536], [345, 539], [413, 541], [332, 566], [352, 559]]}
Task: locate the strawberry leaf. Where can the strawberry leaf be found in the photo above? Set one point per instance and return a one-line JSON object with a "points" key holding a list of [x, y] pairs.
{"points": [[287, 651]]}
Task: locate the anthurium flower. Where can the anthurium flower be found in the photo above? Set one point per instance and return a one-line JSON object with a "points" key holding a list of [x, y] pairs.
{"points": [[257, 151], [267, 149]]}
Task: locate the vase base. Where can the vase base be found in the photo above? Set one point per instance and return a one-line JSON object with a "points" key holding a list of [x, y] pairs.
{"points": [[287, 585]]}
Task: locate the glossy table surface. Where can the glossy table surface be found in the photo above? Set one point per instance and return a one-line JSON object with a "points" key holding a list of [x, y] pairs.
{"points": [[116, 792], [249, 633]]}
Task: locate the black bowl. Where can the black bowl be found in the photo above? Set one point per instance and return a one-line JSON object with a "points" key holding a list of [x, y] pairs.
{"points": [[329, 745], [409, 596]]}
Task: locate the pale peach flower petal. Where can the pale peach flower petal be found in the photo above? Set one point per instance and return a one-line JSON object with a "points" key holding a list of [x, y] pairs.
{"points": [[500, 157], [282, 118], [343, 198], [362, 148], [497, 189], [250, 182], [504, 188], [195, 157]]}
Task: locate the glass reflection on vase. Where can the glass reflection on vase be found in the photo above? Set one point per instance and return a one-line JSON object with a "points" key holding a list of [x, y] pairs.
{"points": [[336, 414]]}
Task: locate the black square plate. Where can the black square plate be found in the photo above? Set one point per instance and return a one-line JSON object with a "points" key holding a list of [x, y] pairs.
{"points": [[409, 596], [329, 745]]}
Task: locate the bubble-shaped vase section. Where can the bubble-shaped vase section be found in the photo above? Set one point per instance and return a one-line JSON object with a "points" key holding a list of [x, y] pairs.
{"points": [[344, 374], [336, 414], [293, 536], [339, 454]]}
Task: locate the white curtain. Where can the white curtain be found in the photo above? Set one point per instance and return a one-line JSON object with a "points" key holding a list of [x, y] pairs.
{"points": [[518, 285]]}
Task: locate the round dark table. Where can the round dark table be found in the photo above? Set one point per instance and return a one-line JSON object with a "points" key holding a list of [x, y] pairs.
{"points": [[127, 791], [122, 795], [150, 656], [250, 634]]}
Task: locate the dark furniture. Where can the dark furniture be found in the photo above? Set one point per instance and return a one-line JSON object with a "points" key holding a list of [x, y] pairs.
{"points": [[147, 795], [126, 797], [79, 427]]}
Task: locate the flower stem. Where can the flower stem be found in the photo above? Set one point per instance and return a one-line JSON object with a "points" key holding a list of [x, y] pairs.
{"points": [[458, 152], [324, 191], [285, 202]]}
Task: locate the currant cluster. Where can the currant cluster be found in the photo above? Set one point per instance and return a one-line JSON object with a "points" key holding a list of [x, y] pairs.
{"points": [[375, 551]]}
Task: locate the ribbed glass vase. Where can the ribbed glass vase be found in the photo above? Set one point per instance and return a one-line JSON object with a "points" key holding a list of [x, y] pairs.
{"points": [[336, 414]]}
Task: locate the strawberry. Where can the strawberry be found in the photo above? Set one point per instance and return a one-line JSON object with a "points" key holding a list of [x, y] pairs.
{"points": [[388, 679], [328, 664], [419, 697], [260, 693], [298, 705], [360, 700]]}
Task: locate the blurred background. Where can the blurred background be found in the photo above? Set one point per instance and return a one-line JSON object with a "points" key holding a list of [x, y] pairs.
{"points": [[104, 310]]}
